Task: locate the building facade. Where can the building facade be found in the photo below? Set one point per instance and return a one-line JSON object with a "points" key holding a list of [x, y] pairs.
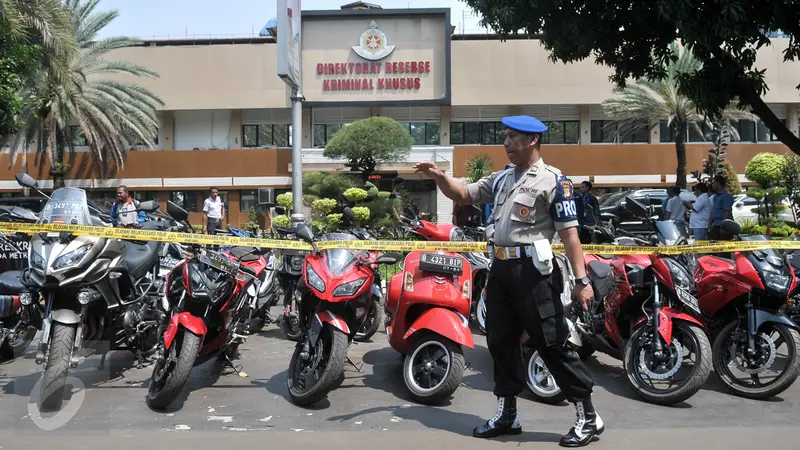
{"points": [[226, 121]]}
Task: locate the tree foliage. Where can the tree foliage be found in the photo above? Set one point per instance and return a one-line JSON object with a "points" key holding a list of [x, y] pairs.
{"points": [[633, 37], [18, 61], [366, 143], [766, 169]]}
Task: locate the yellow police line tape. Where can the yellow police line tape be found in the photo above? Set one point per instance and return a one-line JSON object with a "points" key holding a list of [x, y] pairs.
{"points": [[402, 246]]}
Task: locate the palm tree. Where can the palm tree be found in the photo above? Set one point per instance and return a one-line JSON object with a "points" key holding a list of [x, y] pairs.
{"points": [[653, 101], [111, 115], [44, 22]]}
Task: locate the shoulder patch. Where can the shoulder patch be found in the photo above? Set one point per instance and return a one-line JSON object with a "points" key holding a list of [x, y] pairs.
{"points": [[563, 208]]}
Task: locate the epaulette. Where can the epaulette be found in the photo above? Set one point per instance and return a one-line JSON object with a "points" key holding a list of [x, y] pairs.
{"points": [[553, 169]]}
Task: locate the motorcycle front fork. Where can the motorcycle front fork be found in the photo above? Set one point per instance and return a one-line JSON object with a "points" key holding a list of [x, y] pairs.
{"points": [[658, 346]]}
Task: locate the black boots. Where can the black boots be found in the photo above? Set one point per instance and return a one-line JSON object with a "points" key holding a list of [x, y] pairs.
{"points": [[587, 426], [505, 421]]}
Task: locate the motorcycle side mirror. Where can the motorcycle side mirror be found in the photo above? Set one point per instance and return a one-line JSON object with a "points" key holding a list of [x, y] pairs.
{"points": [[392, 196], [304, 232], [731, 226], [348, 212], [280, 210], [389, 258], [149, 206], [177, 213], [25, 180]]}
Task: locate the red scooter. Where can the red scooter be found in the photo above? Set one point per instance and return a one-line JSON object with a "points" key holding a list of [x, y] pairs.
{"points": [[209, 312], [336, 291], [479, 262], [427, 304]]}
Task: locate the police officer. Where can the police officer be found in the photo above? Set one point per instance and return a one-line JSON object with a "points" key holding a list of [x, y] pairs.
{"points": [[532, 201]]}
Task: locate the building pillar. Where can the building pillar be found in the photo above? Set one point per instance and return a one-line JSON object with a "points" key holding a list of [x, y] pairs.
{"points": [[654, 133], [166, 132], [307, 127], [585, 125], [793, 118], [444, 206], [236, 129], [444, 125]]}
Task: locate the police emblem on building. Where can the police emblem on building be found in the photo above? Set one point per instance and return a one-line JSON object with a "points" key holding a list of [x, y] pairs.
{"points": [[373, 44]]}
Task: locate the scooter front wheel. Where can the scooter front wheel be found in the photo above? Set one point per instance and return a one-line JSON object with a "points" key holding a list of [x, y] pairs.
{"points": [[172, 372], [540, 381], [310, 381], [433, 368]]}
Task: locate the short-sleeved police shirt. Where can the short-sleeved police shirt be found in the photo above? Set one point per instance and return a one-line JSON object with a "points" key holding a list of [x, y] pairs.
{"points": [[533, 208]]}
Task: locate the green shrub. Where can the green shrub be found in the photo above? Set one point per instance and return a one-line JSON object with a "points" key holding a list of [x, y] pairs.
{"points": [[355, 194], [334, 220], [766, 169], [324, 205], [284, 199], [282, 221], [384, 195], [361, 213]]}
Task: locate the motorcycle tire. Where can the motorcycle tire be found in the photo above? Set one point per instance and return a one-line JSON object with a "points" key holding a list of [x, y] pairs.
{"points": [[791, 338], [701, 372], [372, 324], [13, 349], [179, 375], [291, 328], [480, 316], [549, 393], [445, 388], [333, 344], [56, 368]]}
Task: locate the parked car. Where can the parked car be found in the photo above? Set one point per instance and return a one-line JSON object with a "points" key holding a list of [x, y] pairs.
{"points": [[744, 207], [623, 219]]}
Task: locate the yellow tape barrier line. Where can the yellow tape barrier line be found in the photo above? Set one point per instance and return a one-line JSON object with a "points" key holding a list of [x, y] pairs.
{"points": [[402, 246]]}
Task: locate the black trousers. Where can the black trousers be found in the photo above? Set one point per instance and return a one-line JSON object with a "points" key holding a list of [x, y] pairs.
{"points": [[519, 298], [212, 225]]}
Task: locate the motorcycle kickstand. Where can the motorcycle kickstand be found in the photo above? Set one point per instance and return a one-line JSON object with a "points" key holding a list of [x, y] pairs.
{"points": [[139, 359], [102, 364], [357, 367], [230, 364]]}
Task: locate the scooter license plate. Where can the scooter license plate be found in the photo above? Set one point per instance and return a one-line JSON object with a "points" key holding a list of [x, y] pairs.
{"points": [[688, 299], [442, 264]]}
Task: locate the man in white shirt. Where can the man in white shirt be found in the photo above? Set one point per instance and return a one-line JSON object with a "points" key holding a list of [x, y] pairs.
{"points": [[213, 212], [675, 208], [701, 211]]}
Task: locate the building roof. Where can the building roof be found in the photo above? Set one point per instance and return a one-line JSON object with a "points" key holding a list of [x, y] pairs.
{"points": [[361, 5]]}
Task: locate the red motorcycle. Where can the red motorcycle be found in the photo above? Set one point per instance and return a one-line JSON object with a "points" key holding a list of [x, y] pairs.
{"points": [[641, 316], [427, 304], [744, 301], [210, 297], [336, 303], [479, 262]]}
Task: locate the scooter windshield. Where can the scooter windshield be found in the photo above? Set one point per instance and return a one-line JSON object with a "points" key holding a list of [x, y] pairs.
{"points": [[67, 206], [671, 231], [338, 259]]}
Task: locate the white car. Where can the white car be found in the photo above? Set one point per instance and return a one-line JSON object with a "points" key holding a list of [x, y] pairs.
{"points": [[745, 207]]}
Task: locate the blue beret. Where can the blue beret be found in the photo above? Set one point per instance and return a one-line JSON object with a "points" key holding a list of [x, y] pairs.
{"points": [[524, 124]]}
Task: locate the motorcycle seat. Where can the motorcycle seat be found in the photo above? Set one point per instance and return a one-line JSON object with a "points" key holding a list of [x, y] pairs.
{"points": [[10, 284], [139, 258], [244, 254]]}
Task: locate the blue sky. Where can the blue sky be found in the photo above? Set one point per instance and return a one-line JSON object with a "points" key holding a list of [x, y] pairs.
{"points": [[177, 18]]}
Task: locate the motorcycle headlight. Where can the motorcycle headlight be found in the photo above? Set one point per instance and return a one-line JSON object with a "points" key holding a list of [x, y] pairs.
{"points": [[71, 258], [679, 276], [776, 281], [296, 262], [313, 279], [457, 234], [37, 262], [348, 289]]}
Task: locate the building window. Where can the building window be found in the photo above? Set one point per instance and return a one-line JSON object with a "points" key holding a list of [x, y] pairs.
{"points": [[250, 198], [144, 196], [186, 200], [562, 132], [323, 133], [76, 136], [750, 131], [476, 133], [424, 133], [266, 135], [605, 131]]}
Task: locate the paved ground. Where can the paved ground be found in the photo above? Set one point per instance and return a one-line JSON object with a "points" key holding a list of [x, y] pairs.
{"points": [[369, 410]]}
